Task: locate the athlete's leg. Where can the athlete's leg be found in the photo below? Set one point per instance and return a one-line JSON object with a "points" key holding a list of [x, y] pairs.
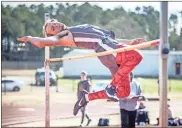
{"points": [[108, 61], [120, 85], [128, 61]]}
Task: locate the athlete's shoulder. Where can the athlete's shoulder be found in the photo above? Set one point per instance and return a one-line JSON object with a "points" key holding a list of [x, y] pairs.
{"points": [[63, 33]]}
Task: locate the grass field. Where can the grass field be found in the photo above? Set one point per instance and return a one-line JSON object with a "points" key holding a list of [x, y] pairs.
{"points": [[30, 93], [148, 85]]}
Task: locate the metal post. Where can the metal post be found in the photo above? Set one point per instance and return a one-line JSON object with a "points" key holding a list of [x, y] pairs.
{"points": [[47, 82], [163, 70], [5, 86]]}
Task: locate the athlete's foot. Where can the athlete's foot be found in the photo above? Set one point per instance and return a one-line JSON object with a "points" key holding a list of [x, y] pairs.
{"points": [[81, 102], [111, 93], [89, 120]]}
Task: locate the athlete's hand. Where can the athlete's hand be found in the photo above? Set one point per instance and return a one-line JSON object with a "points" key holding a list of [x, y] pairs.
{"points": [[137, 41], [24, 39]]}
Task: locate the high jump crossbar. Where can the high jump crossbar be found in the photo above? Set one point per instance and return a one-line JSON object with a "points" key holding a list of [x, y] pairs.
{"points": [[128, 48]]}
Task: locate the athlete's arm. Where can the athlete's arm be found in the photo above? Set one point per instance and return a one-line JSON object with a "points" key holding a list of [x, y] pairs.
{"points": [[64, 38]]}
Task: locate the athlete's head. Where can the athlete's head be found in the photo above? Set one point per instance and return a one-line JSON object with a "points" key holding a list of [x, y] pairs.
{"points": [[53, 27], [83, 75]]}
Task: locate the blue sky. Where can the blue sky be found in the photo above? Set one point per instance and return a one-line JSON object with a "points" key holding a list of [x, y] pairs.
{"points": [[173, 7]]}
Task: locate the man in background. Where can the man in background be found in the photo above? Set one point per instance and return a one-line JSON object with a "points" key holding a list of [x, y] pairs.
{"points": [[128, 105], [83, 84]]}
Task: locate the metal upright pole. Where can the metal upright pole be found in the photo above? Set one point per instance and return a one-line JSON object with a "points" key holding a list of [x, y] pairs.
{"points": [[47, 82], [163, 70]]}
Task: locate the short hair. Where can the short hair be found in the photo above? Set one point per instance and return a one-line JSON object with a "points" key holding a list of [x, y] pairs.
{"points": [[84, 72], [64, 27]]}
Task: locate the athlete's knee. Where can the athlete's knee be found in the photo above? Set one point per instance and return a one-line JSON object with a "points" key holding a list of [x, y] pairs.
{"points": [[139, 55], [136, 56]]}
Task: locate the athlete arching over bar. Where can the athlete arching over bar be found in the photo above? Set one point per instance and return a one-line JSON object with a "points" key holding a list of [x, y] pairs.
{"points": [[92, 37]]}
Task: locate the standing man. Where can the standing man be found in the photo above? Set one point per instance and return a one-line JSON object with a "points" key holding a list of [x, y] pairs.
{"points": [[83, 84], [128, 105]]}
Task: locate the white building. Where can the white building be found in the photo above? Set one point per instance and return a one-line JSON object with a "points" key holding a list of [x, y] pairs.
{"points": [[149, 66]]}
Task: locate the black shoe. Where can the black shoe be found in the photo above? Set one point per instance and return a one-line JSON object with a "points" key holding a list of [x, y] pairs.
{"points": [[82, 102], [89, 120], [111, 93]]}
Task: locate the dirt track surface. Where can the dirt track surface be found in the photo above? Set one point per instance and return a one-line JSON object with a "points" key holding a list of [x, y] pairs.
{"points": [[13, 115], [29, 106], [20, 109]]}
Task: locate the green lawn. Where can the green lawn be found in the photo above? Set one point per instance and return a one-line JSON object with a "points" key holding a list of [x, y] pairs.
{"points": [[148, 85], [30, 93]]}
